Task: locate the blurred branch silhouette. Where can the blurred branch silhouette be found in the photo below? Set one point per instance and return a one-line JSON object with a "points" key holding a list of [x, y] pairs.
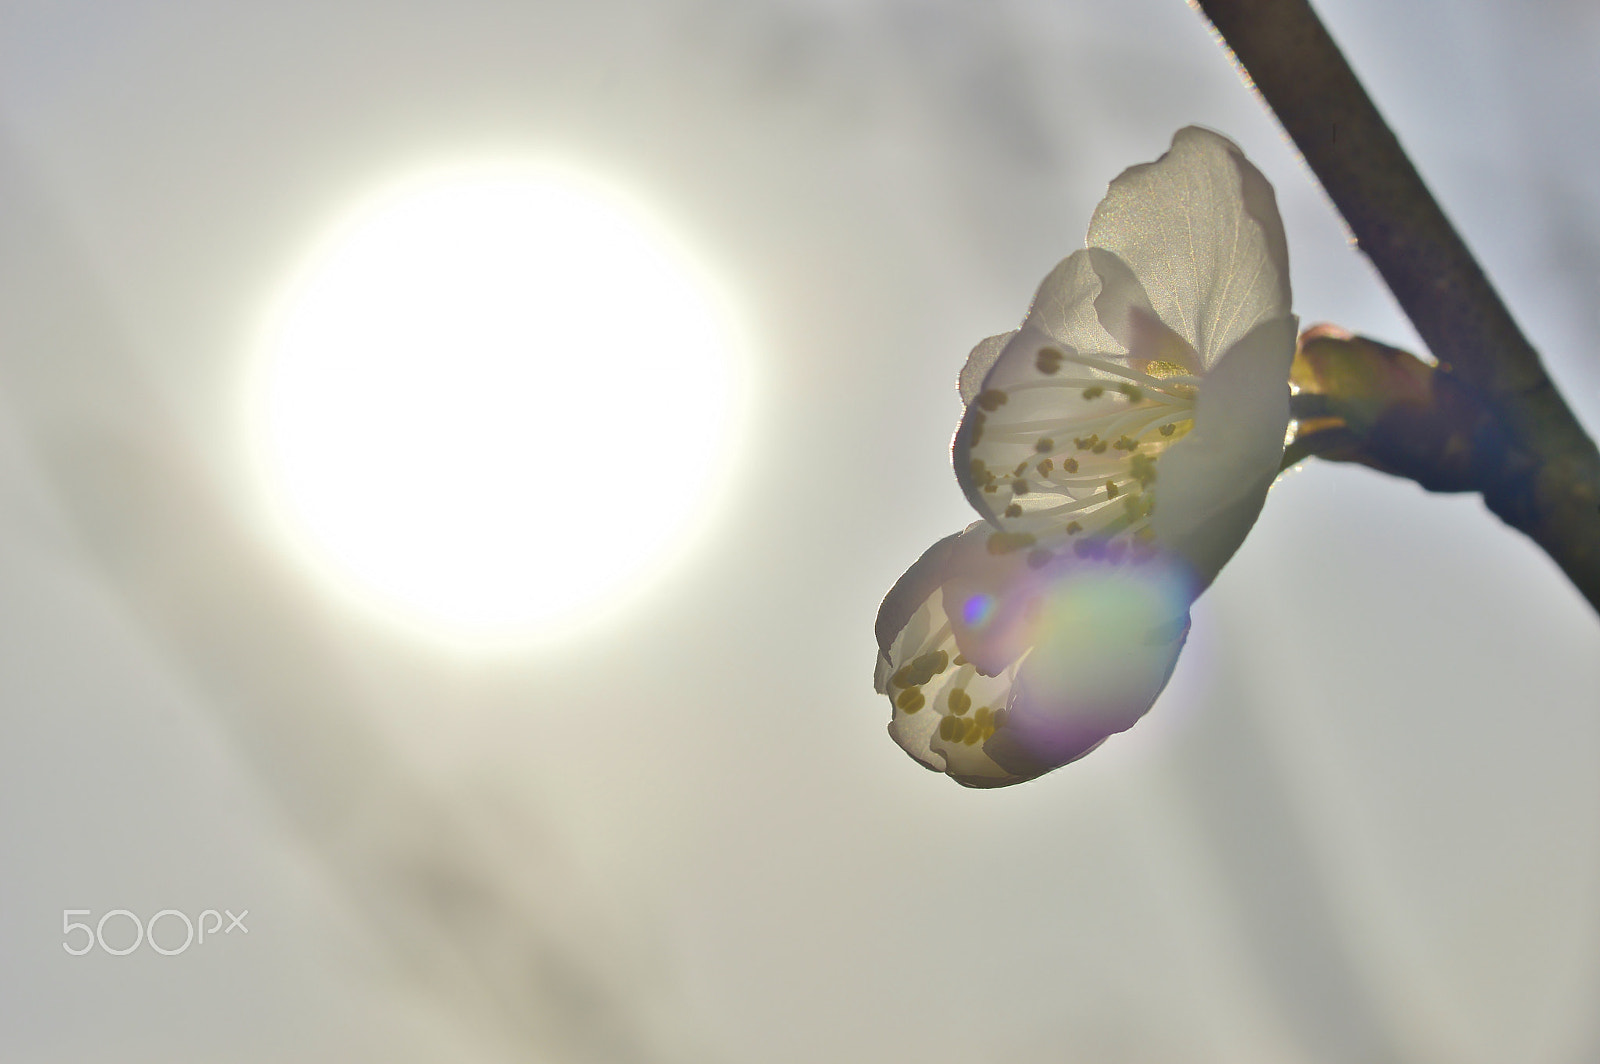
{"points": [[469, 903], [1487, 418]]}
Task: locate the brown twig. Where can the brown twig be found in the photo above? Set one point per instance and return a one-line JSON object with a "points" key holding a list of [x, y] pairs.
{"points": [[1299, 71]]}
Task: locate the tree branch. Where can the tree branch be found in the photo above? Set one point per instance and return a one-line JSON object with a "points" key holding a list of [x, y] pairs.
{"points": [[1291, 61]]}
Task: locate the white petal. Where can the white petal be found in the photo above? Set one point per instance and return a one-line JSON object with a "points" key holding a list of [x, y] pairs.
{"points": [[1215, 479], [1126, 314], [979, 362], [1107, 640], [913, 626], [903, 604], [1083, 650], [1200, 229], [1063, 310]]}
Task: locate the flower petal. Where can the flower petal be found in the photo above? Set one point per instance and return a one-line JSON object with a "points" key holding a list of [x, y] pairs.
{"points": [[979, 362], [1127, 316], [1075, 651], [1022, 386], [1200, 229], [1107, 640], [942, 706], [1215, 480], [1063, 311]]}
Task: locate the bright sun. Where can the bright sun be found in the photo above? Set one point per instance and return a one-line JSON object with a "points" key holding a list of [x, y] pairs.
{"points": [[495, 401]]}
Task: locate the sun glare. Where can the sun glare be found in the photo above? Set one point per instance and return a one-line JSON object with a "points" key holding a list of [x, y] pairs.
{"points": [[496, 402]]}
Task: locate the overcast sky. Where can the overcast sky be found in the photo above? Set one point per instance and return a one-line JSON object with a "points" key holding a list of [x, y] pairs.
{"points": [[1361, 825]]}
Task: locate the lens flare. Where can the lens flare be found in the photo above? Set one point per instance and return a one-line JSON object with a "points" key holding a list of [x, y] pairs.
{"points": [[1105, 639], [977, 611]]}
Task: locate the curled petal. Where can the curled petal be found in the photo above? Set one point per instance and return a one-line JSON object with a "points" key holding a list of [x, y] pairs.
{"points": [[1200, 228], [1125, 313], [942, 707], [1063, 309], [998, 672]]}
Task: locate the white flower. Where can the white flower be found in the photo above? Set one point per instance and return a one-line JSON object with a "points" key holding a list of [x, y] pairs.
{"points": [[1119, 446]]}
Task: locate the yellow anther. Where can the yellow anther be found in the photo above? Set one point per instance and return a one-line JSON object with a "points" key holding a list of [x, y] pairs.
{"points": [[946, 727], [1048, 361], [920, 670], [981, 717], [1070, 465], [971, 733], [1073, 528], [1013, 510], [1167, 429], [1128, 443], [1111, 489], [1132, 391], [1021, 466], [960, 701], [1094, 391], [992, 399], [911, 700], [1006, 542], [1045, 467], [929, 665], [960, 659], [1019, 487], [1099, 448], [1045, 445]]}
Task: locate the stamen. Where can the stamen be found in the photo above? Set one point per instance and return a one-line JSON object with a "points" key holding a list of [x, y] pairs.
{"points": [[1006, 542], [1127, 372], [1093, 388], [1135, 422]]}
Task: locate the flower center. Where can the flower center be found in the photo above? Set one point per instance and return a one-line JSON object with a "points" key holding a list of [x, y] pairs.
{"points": [[1092, 472]]}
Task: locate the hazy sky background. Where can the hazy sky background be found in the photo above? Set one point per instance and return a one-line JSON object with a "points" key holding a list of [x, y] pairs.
{"points": [[1361, 825]]}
